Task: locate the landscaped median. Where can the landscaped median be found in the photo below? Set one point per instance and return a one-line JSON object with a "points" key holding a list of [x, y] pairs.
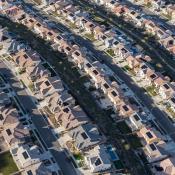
{"points": [[7, 165], [70, 75]]}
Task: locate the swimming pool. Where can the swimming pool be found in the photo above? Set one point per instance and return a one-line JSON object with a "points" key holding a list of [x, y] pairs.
{"points": [[113, 155]]}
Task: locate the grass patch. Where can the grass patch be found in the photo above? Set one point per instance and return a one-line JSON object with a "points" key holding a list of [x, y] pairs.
{"points": [[170, 110], [134, 141], [111, 52], [123, 127], [7, 165], [118, 165], [151, 90], [89, 36]]}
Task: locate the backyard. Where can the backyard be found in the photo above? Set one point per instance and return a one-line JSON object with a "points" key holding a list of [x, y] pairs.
{"points": [[7, 165]]}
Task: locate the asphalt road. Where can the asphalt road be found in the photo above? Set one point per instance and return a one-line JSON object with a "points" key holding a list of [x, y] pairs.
{"points": [[39, 122], [161, 117]]}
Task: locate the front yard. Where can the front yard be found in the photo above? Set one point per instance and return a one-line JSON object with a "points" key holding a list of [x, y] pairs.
{"points": [[151, 90], [7, 165]]}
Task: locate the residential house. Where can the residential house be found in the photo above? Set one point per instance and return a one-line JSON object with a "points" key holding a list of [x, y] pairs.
{"points": [[97, 159], [8, 116], [136, 121], [4, 98], [98, 32], [85, 136], [16, 132], [36, 72], [72, 117], [56, 101], [26, 58], [166, 166], [48, 85], [30, 159], [78, 58], [126, 109], [166, 91]]}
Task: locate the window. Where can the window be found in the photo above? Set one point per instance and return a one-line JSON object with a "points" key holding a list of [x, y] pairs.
{"points": [[153, 76], [84, 135], [29, 172], [166, 86], [149, 135], [106, 86], [153, 147], [76, 53], [25, 56], [47, 83], [114, 93], [98, 162], [9, 132], [66, 110], [136, 117], [88, 65], [125, 108], [95, 72], [1, 117], [25, 155]]}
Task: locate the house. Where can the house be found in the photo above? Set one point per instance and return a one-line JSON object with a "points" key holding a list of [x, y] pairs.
{"points": [[149, 135], [36, 72], [8, 116], [56, 101], [4, 98], [29, 22], [26, 58], [97, 159], [122, 52], [150, 76], [166, 90], [85, 136], [89, 26], [40, 29], [30, 159], [72, 117], [120, 9], [133, 62], [141, 70], [78, 58], [149, 26], [166, 166], [15, 133], [50, 35], [94, 72], [159, 81], [98, 32], [126, 109], [135, 17], [115, 96], [58, 39], [136, 121], [48, 85]]}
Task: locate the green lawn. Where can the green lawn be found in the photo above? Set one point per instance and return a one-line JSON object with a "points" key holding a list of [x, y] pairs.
{"points": [[111, 52], [7, 165], [151, 90]]}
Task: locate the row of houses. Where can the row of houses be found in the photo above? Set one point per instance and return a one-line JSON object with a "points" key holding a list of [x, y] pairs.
{"points": [[158, 150], [85, 135], [163, 35], [136, 62], [159, 7], [29, 158]]}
